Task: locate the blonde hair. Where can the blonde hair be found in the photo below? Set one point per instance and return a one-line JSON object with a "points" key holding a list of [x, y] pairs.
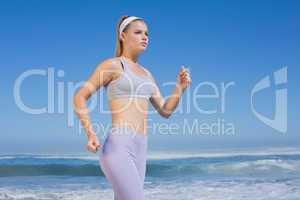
{"points": [[119, 44]]}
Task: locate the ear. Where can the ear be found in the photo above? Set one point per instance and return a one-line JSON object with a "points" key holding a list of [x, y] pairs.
{"points": [[122, 36]]}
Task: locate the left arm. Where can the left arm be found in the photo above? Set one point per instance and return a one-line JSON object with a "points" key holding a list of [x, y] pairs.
{"points": [[166, 107]]}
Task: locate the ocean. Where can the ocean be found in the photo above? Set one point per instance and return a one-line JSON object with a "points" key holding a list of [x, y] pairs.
{"points": [[259, 174]]}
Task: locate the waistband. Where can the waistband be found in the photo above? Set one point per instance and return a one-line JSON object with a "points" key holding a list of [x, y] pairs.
{"points": [[125, 130]]}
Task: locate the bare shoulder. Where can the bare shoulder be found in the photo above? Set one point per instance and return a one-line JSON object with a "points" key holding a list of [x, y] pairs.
{"points": [[149, 73], [109, 69], [110, 64], [146, 69], [104, 72]]}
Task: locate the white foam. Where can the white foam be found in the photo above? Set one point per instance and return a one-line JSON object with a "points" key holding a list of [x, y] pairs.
{"points": [[7, 157], [258, 165], [225, 190], [224, 153], [180, 154], [170, 190]]}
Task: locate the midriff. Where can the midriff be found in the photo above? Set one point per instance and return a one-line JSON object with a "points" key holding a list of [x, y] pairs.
{"points": [[130, 112]]}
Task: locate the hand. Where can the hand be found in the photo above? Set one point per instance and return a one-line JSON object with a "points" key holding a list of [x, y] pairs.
{"points": [[93, 144], [183, 78]]}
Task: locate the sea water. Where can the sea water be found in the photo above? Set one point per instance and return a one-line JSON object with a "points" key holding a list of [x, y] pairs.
{"points": [[235, 175]]}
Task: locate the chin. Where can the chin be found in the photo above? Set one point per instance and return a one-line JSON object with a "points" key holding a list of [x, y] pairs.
{"points": [[141, 50]]}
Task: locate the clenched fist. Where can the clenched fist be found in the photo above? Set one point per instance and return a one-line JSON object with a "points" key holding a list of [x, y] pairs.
{"points": [[183, 78], [93, 144]]}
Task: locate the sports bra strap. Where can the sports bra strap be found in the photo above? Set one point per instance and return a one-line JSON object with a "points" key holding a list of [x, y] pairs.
{"points": [[121, 61], [124, 65], [147, 71]]}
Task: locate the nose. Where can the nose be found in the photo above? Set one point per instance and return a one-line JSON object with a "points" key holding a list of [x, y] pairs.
{"points": [[145, 37]]}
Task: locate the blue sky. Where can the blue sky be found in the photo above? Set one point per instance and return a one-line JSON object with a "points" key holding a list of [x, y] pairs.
{"points": [[219, 41]]}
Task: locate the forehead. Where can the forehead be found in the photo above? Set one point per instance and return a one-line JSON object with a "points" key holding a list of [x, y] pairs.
{"points": [[138, 25]]}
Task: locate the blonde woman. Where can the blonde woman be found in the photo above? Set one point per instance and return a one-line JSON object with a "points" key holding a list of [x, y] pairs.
{"points": [[130, 87]]}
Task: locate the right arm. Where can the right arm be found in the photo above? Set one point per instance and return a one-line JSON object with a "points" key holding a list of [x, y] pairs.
{"points": [[101, 76]]}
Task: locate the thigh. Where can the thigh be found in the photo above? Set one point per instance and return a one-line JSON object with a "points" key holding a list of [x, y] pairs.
{"points": [[141, 157], [117, 163]]}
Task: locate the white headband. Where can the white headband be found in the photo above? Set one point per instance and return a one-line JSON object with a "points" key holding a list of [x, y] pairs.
{"points": [[126, 22]]}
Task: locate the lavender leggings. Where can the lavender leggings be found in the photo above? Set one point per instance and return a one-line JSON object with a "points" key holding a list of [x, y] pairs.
{"points": [[123, 161]]}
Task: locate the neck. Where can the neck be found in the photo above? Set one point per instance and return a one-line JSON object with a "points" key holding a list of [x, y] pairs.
{"points": [[130, 56]]}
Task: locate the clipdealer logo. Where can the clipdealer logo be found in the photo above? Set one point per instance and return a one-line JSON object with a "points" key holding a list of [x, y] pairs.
{"points": [[278, 78], [279, 122]]}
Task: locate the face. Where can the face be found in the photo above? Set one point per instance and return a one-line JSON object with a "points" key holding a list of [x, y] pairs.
{"points": [[135, 37]]}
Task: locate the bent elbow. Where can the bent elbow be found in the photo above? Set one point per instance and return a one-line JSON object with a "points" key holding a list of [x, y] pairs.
{"points": [[75, 103], [77, 99], [166, 115]]}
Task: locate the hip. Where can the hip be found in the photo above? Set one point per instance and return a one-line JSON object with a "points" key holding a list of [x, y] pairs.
{"points": [[123, 139]]}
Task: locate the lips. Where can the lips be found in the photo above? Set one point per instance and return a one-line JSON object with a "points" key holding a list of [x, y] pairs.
{"points": [[144, 43]]}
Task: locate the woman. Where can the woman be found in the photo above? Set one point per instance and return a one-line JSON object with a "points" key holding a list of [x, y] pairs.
{"points": [[130, 88]]}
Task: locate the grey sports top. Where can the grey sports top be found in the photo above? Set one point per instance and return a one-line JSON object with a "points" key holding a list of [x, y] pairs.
{"points": [[129, 84]]}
